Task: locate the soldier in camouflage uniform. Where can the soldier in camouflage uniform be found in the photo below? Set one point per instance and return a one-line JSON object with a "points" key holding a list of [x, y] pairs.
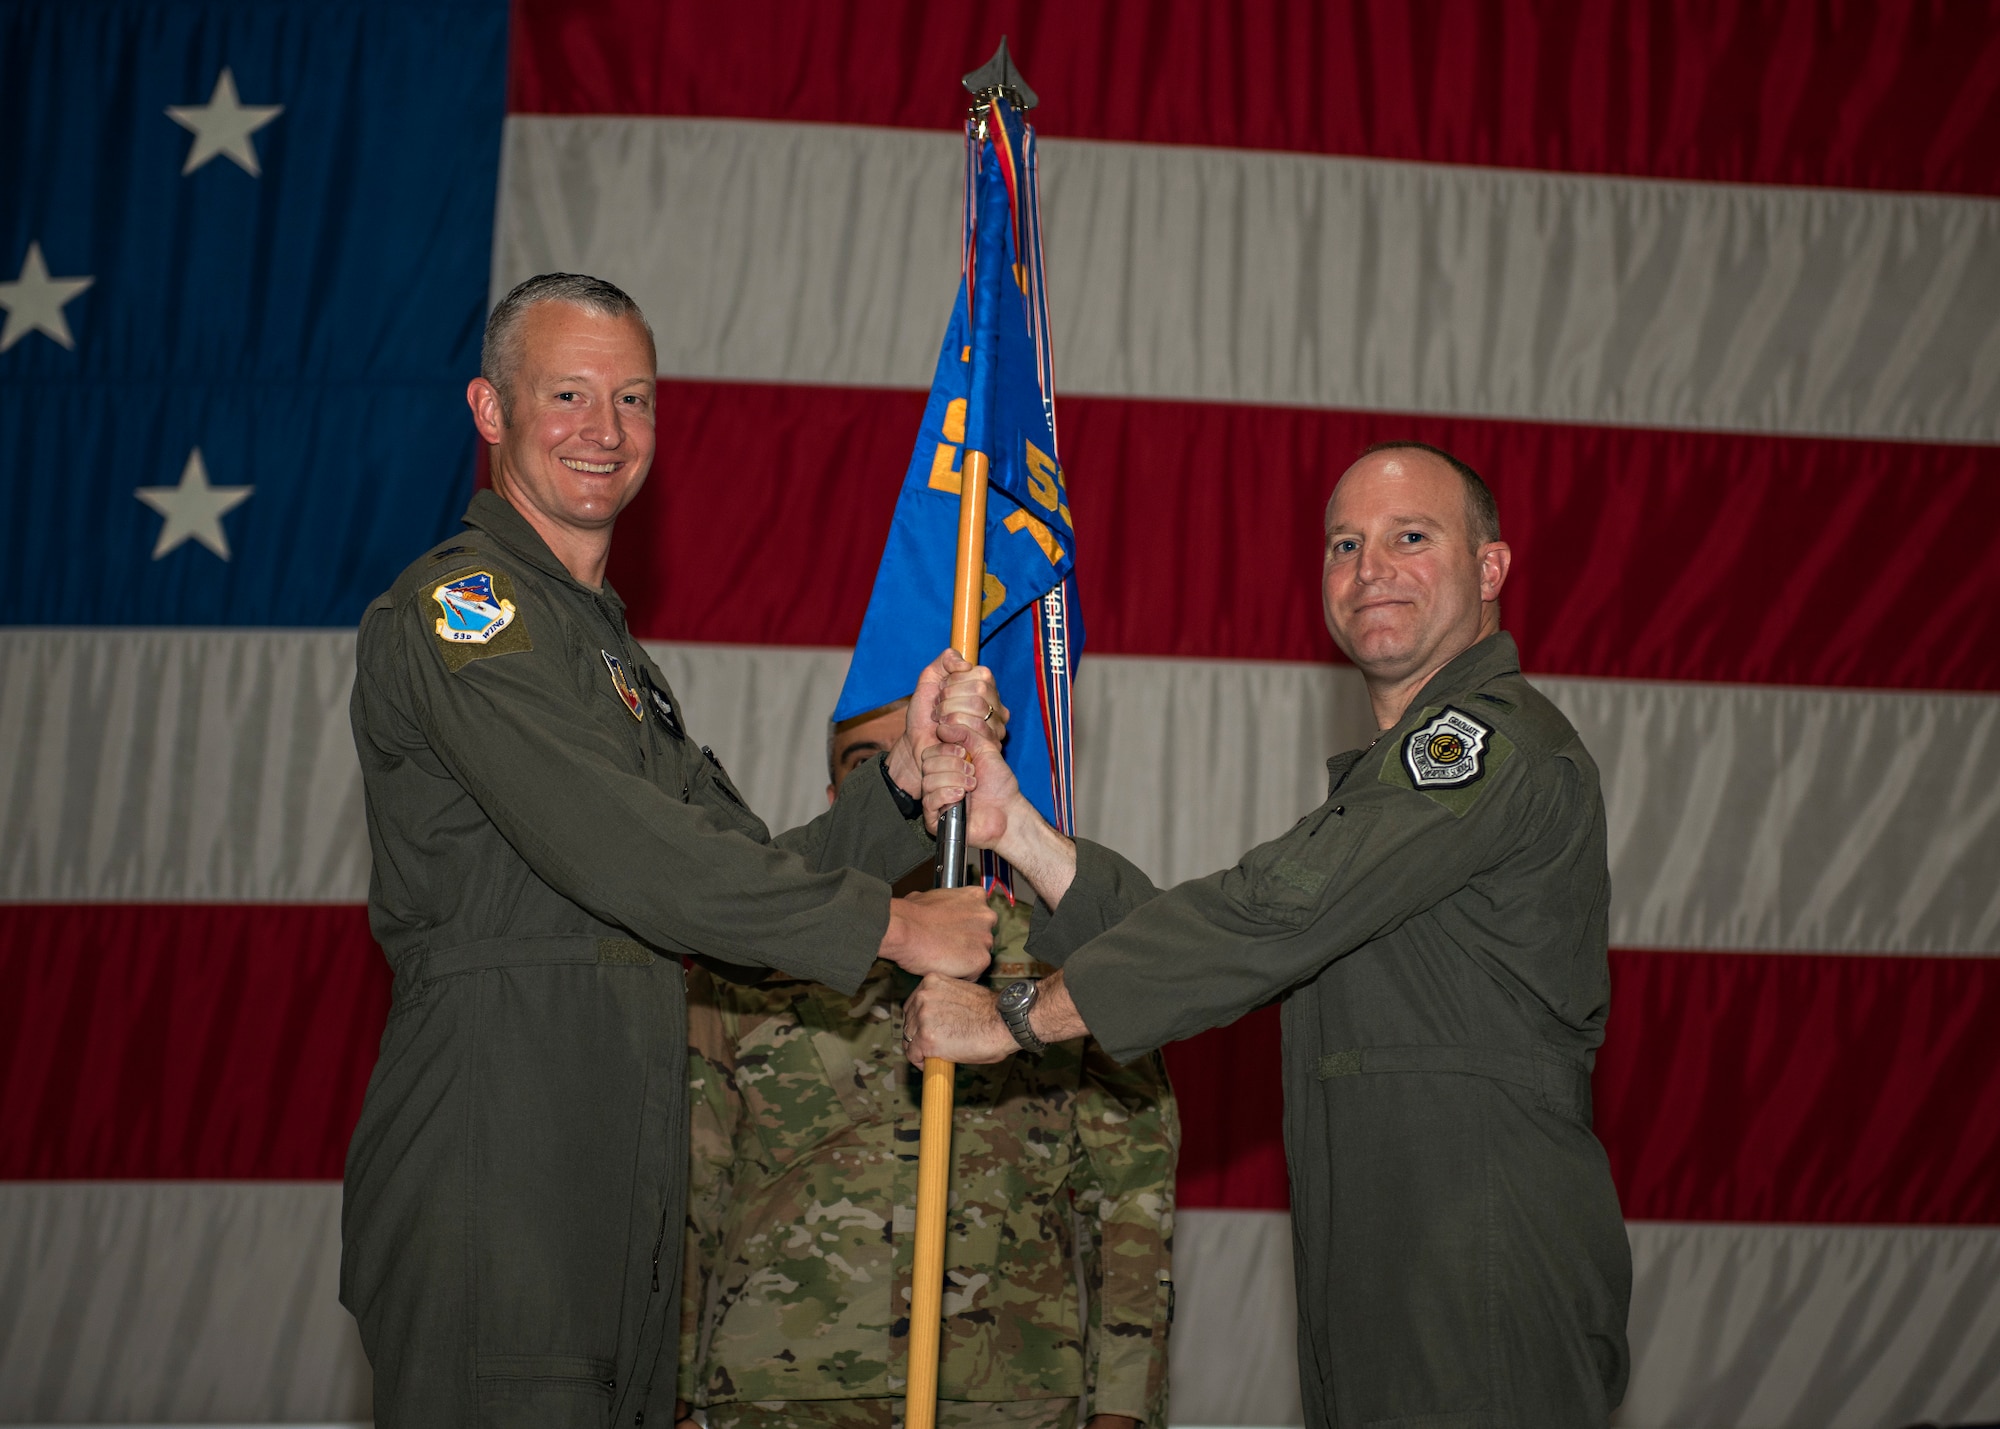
{"points": [[804, 1128]]}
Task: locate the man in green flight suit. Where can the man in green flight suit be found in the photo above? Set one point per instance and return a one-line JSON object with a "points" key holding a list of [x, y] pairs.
{"points": [[803, 1195], [548, 842], [1437, 929]]}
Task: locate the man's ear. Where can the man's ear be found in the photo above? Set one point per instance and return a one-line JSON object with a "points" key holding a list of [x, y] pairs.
{"points": [[832, 793], [1496, 558], [484, 399]]}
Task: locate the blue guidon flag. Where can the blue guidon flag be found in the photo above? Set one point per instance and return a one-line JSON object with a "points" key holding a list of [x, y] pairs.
{"points": [[994, 391]]}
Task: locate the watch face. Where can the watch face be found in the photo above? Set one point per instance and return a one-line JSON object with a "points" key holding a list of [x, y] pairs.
{"points": [[1015, 995]]}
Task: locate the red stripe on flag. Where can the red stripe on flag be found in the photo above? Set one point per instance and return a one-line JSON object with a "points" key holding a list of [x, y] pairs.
{"points": [[196, 1041], [221, 1041], [1639, 554], [1774, 1087], [1232, 1103], [1768, 1087], [1903, 94]]}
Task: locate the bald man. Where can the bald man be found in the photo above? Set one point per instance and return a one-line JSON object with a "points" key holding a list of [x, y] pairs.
{"points": [[1437, 931]]}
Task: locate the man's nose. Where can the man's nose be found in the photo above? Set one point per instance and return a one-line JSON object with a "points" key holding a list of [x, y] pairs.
{"points": [[602, 428], [1370, 564]]}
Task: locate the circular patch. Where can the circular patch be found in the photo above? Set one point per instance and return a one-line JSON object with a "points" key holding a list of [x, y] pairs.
{"points": [[1446, 748]]}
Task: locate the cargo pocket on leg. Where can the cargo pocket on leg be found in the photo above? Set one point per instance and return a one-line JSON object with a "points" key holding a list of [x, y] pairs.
{"points": [[544, 1392]]}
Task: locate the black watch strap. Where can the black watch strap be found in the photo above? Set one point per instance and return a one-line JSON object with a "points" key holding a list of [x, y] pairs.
{"points": [[906, 806]]}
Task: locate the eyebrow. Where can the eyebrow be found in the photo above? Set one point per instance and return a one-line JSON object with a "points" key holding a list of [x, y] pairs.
{"points": [[578, 379], [1393, 521]]}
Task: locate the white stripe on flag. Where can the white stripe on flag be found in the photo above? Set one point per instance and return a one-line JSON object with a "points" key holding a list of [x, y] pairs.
{"points": [[173, 1287], [193, 766], [827, 254]]}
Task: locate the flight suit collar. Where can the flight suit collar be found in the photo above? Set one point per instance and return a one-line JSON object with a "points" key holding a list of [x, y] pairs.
{"points": [[495, 515], [1489, 659]]}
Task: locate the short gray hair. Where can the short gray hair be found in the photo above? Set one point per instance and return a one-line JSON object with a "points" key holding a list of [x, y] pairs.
{"points": [[1482, 512], [500, 353]]}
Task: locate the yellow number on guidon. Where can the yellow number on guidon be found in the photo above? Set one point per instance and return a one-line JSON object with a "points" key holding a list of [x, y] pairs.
{"points": [[1018, 519], [1045, 481], [945, 475]]}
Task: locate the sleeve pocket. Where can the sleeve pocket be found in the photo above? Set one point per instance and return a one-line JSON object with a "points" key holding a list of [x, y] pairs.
{"points": [[1289, 880]]}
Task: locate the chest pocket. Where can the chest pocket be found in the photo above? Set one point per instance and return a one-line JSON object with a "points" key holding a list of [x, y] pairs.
{"points": [[1289, 880], [710, 787]]}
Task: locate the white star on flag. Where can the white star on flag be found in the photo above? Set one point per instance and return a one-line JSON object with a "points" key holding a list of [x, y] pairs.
{"points": [[34, 302], [194, 509], [223, 126]]}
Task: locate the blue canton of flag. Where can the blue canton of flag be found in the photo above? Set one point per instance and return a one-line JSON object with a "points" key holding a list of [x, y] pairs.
{"points": [[991, 393], [243, 265]]}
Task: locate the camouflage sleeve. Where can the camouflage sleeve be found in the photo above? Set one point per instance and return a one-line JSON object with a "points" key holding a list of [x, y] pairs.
{"points": [[714, 1108], [1130, 1129]]}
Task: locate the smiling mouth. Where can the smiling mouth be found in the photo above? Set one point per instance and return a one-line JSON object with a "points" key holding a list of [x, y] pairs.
{"points": [[596, 468]]}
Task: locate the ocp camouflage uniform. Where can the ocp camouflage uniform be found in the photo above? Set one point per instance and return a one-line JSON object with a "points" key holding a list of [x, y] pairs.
{"points": [[805, 1122]]}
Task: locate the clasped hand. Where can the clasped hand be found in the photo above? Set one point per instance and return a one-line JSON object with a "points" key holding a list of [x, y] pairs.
{"points": [[947, 932]]}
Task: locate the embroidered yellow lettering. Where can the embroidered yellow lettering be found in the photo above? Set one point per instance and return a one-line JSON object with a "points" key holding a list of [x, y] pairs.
{"points": [[945, 474], [1018, 520]]}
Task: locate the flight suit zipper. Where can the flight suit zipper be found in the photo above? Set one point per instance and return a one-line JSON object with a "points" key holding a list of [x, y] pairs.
{"points": [[659, 1243]]}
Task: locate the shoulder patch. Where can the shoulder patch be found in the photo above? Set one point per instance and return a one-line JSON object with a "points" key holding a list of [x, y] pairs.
{"points": [[479, 618], [1447, 758], [1448, 751]]}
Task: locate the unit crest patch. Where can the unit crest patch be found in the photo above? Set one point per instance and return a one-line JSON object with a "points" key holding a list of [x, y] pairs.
{"points": [[1447, 753], [623, 686], [473, 611]]}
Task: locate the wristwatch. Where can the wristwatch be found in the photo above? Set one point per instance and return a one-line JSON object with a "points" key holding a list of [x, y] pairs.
{"points": [[906, 806], [1017, 1000]]}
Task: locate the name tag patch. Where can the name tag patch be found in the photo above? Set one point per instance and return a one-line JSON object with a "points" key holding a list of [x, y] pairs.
{"points": [[1447, 753]]}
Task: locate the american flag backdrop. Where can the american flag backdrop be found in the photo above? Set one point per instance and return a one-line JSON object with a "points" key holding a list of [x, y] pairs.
{"points": [[1710, 292]]}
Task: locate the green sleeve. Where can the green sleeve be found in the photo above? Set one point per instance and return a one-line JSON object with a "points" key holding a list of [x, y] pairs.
{"points": [[1107, 887], [1129, 1127], [574, 800], [1374, 855], [864, 829]]}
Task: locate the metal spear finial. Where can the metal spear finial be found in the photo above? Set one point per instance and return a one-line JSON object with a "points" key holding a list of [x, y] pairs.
{"points": [[999, 75]]}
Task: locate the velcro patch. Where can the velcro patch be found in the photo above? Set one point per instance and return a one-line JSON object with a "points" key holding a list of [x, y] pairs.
{"points": [[1447, 751], [479, 618], [1447, 757], [473, 611]]}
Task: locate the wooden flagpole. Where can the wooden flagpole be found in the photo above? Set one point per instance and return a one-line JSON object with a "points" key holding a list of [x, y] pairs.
{"points": [[968, 601], [934, 1137]]}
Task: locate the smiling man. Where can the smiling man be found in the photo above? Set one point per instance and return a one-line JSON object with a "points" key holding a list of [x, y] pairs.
{"points": [[1437, 930], [548, 843]]}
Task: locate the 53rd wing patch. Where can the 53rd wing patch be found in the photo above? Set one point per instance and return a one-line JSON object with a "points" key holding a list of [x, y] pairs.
{"points": [[473, 611], [1449, 752], [479, 619]]}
